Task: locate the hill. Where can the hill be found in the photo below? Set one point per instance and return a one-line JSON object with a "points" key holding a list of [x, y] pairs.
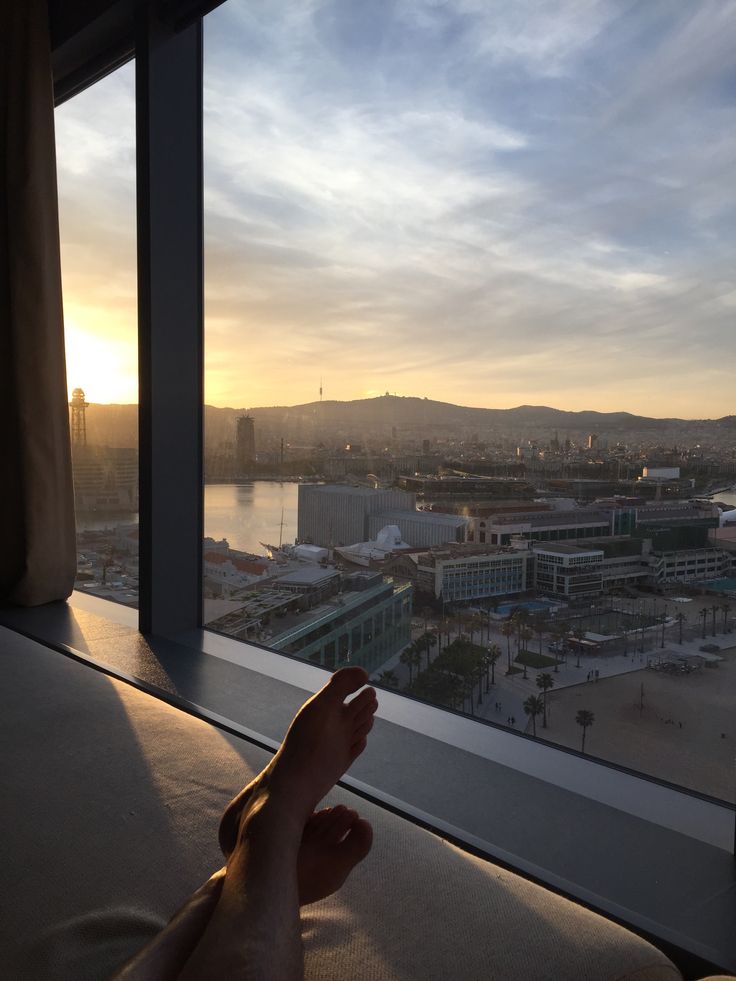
{"points": [[116, 425]]}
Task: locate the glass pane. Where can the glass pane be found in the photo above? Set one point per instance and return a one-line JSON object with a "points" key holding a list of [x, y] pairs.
{"points": [[469, 298], [95, 142]]}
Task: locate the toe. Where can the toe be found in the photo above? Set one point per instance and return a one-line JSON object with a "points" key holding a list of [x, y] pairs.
{"points": [[334, 816], [363, 729], [341, 825], [345, 681], [362, 701], [317, 823], [358, 842], [367, 712]]}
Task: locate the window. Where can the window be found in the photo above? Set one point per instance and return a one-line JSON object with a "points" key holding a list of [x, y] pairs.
{"points": [[381, 188], [95, 134]]}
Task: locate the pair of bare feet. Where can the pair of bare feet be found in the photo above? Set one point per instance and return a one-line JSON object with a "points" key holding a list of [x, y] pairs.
{"points": [[280, 852], [323, 740]]}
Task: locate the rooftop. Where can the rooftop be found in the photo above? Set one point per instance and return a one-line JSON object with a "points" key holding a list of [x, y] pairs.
{"points": [[425, 517], [462, 550], [311, 575], [562, 548], [580, 516]]}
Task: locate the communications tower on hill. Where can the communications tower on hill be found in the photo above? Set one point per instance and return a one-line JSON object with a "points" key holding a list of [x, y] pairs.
{"points": [[78, 420]]}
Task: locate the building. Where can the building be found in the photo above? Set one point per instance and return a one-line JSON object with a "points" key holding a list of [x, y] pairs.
{"points": [[365, 621], [227, 574], [337, 514], [660, 473], [689, 565], [105, 478], [420, 529], [551, 526], [245, 443], [460, 573], [572, 571], [387, 542], [444, 488]]}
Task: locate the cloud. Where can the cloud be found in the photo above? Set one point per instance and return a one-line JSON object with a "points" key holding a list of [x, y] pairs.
{"points": [[474, 200]]}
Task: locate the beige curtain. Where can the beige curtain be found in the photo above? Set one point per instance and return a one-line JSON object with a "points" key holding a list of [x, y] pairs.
{"points": [[37, 538]]}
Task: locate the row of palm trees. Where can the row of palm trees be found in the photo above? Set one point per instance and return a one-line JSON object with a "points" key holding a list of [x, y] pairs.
{"points": [[416, 657], [536, 705], [458, 676], [724, 608], [462, 666]]}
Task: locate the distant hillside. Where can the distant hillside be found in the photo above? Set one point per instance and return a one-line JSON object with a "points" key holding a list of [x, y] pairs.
{"points": [[112, 425], [116, 425], [408, 413]]}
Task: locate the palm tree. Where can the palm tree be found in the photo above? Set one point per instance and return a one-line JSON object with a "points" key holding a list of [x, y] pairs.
{"points": [[545, 681], [714, 610], [585, 719], [494, 652], [540, 628], [507, 629], [388, 679], [563, 631], [526, 634], [480, 670], [425, 643], [579, 634], [726, 609], [408, 658], [444, 627], [477, 622], [426, 613], [681, 619], [704, 615], [534, 706], [520, 617]]}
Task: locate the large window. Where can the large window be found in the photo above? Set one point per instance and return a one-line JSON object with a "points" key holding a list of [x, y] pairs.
{"points": [[95, 135], [417, 217]]}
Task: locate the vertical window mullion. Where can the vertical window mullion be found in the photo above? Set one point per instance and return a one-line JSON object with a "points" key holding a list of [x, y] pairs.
{"points": [[170, 291]]}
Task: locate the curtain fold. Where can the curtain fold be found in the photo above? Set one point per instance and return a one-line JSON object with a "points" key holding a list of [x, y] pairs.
{"points": [[37, 532]]}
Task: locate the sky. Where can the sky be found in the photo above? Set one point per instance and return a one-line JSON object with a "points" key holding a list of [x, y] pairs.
{"points": [[482, 202]]}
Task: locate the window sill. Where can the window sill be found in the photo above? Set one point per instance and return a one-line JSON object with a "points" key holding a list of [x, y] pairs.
{"points": [[639, 851]]}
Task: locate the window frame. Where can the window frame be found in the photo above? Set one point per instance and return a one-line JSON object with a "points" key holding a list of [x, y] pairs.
{"points": [[169, 157]]}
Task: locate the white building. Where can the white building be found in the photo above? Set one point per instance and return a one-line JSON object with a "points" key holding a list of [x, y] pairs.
{"points": [[460, 573], [336, 514], [421, 529], [568, 570]]}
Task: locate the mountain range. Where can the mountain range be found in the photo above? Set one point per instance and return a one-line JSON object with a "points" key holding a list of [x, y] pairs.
{"points": [[116, 425]]}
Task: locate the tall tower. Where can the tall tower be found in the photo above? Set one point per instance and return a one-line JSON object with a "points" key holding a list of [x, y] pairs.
{"points": [[245, 442], [78, 420]]}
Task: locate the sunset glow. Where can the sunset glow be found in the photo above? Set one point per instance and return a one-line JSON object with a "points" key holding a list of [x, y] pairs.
{"points": [[486, 204]]}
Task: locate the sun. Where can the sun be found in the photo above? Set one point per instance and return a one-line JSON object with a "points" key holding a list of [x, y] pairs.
{"points": [[104, 366]]}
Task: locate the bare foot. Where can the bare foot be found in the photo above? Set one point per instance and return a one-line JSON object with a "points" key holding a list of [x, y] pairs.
{"points": [[335, 840], [325, 737]]}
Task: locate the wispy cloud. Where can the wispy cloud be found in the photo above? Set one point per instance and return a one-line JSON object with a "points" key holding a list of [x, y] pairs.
{"points": [[484, 202]]}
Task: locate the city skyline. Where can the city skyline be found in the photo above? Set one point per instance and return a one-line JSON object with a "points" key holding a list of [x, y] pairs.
{"points": [[489, 206]]}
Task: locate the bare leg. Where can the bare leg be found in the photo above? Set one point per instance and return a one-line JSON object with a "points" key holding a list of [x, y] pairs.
{"points": [[254, 932], [165, 956], [279, 855], [334, 841]]}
